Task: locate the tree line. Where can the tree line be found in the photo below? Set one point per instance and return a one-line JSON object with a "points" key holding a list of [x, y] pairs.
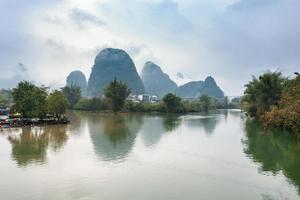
{"points": [[33, 101], [116, 99]]}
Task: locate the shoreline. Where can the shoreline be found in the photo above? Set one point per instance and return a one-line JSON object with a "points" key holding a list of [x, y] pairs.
{"points": [[20, 123]]}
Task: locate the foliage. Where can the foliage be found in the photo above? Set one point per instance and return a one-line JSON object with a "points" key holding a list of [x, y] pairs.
{"points": [[116, 93], [235, 103], [5, 98], [226, 102], [172, 103], [262, 93], [144, 107], [30, 100], [91, 104], [287, 113], [205, 102], [57, 103], [73, 94]]}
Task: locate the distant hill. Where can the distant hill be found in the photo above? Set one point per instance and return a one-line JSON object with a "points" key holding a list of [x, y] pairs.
{"points": [[156, 82], [195, 89], [77, 78], [113, 63]]}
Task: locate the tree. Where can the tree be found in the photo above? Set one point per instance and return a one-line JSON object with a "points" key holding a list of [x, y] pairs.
{"points": [[226, 102], [172, 102], [116, 93], [89, 104], [73, 94], [205, 102], [264, 92], [57, 103], [30, 100], [5, 98], [286, 114]]}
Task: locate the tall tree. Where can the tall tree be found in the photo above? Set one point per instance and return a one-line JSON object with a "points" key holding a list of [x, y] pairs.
{"points": [[57, 103], [172, 102], [30, 100], [5, 98], [205, 102], [262, 93], [116, 93], [73, 94], [287, 113]]}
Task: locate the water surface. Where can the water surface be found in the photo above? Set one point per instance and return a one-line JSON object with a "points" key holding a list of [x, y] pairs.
{"points": [[219, 155]]}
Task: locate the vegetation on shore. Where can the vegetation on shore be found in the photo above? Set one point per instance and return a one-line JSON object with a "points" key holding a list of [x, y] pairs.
{"points": [[116, 99], [30, 101], [274, 100]]}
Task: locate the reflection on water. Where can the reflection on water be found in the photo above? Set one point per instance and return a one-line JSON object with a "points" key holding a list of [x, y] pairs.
{"points": [[214, 155], [170, 122], [275, 151], [30, 144], [207, 121], [152, 130], [114, 135]]}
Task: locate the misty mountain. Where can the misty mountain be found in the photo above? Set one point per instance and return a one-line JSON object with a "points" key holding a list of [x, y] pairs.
{"points": [[77, 78], [156, 82], [113, 63], [195, 89]]}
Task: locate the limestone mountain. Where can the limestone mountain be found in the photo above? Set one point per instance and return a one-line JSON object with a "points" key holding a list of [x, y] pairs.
{"points": [[195, 89], [156, 82], [77, 78], [113, 63]]}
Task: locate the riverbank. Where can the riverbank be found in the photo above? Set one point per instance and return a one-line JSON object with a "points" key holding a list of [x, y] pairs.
{"points": [[17, 123]]}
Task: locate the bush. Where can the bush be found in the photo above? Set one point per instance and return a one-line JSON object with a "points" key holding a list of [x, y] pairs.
{"points": [[287, 113], [30, 100], [172, 103], [57, 103], [90, 104], [116, 93]]}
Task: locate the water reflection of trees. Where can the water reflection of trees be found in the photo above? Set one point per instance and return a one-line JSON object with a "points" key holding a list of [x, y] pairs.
{"points": [[276, 151], [113, 136], [171, 122], [206, 121], [78, 122], [30, 146]]}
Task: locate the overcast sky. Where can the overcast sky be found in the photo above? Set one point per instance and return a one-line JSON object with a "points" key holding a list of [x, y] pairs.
{"points": [[44, 40]]}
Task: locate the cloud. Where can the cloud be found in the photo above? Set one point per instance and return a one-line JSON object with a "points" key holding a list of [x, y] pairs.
{"points": [[230, 40], [259, 34], [82, 17], [154, 18]]}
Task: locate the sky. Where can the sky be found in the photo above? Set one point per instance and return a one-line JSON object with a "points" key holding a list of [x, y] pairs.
{"points": [[231, 40]]}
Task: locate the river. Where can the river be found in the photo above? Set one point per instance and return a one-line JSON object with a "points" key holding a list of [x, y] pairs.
{"points": [[216, 155]]}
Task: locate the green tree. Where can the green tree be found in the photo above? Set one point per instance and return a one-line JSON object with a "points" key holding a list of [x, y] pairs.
{"points": [[172, 102], [286, 114], [57, 103], [90, 104], [262, 93], [73, 94], [205, 102], [226, 102], [5, 98], [30, 100], [116, 93]]}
